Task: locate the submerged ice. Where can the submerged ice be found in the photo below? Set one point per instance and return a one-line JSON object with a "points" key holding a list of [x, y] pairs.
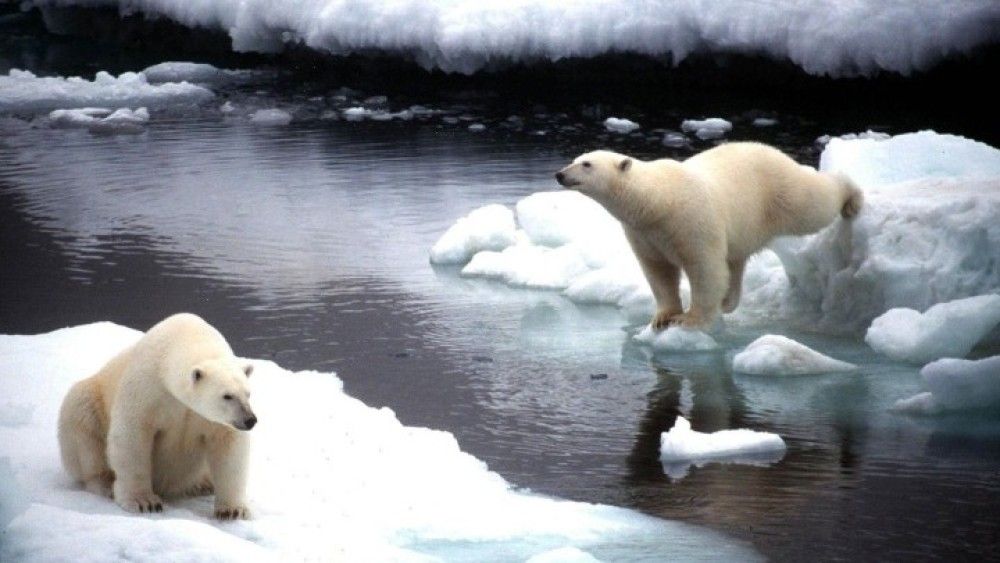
{"points": [[330, 478]]}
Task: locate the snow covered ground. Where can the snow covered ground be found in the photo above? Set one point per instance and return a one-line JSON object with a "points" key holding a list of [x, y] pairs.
{"points": [[330, 478], [928, 234], [856, 37]]}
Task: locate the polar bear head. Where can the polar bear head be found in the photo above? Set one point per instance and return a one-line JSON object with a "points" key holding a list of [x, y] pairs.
{"points": [[218, 390], [596, 174]]}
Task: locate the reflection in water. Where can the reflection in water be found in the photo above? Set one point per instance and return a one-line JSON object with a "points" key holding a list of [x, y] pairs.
{"points": [[308, 245]]}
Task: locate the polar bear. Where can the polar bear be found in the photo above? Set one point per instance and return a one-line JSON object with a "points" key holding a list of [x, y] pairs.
{"points": [[167, 416], [707, 215]]}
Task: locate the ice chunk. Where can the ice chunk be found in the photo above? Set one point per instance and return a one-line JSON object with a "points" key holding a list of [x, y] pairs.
{"points": [[526, 265], [477, 127], [490, 227], [272, 116], [173, 71], [676, 339], [956, 385], [21, 90], [338, 494], [682, 443], [674, 139], [854, 37], [946, 330], [765, 122], [558, 218], [707, 129], [773, 354], [101, 120], [618, 125]]}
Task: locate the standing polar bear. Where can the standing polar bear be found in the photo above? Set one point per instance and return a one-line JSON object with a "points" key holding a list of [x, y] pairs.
{"points": [[707, 215], [167, 416]]}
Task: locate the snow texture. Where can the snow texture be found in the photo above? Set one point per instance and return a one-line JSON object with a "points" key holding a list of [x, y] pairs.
{"points": [[682, 447], [946, 330], [774, 354], [22, 91], [101, 120], [707, 129], [621, 126], [956, 385], [330, 478], [676, 339], [831, 37]]}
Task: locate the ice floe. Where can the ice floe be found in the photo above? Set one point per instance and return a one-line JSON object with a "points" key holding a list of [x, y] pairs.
{"points": [[330, 478], [101, 120], [956, 385], [682, 447], [773, 354], [676, 339], [22, 91], [946, 330], [855, 37], [488, 228], [707, 129], [620, 125], [271, 116]]}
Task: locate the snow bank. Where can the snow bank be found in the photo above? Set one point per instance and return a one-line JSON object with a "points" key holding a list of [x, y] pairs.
{"points": [[956, 385], [682, 447], [21, 90], [774, 354], [101, 120], [856, 37], [946, 330], [330, 478], [271, 116], [676, 339], [621, 126], [707, 129]]}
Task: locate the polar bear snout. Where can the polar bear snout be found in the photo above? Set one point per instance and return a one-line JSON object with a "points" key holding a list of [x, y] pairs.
{"points": [[564, 180], [247, 421]]}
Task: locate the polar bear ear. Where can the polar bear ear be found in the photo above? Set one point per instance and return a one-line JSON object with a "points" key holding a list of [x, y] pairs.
{"points": [[248, 369], [625, 164], [196, 375]]}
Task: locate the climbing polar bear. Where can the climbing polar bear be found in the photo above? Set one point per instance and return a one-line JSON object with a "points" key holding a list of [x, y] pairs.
{"points": [[167, 416], [707, 215]]}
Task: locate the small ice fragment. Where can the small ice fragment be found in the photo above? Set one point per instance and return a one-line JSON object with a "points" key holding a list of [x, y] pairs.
{"points": [[272, 116], [707, 129], [677, 339], [765, 122], [622, 126], [956, 385], [490, 227], [477, 127], [774, 354], [682, 443]]}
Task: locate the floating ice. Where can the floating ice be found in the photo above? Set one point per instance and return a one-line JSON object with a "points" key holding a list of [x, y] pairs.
{"points": [[765, 122], [707, 129], [856, 37], [682, 444], [490, 227], [676, 339], [477, 127], [622, 126], [674, 139], [196, 73], [21, 90], [325, 483], [956, 385], [928, 233], [869, 134], [774, 354], [946, 330], [101, 120], [272, 116]]}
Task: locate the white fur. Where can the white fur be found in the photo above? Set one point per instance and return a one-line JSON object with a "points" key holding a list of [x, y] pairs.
{"points": [[155, 421], [707, 215]]}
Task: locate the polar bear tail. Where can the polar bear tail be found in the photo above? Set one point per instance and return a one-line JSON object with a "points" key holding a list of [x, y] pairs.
{"points": [[854, 198]]}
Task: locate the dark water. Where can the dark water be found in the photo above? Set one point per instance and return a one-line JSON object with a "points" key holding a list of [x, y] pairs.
{"points": [[308, 244]]}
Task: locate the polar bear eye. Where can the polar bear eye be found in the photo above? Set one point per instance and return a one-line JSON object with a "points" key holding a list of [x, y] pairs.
{"points": [[227, 397], [586, 164]]}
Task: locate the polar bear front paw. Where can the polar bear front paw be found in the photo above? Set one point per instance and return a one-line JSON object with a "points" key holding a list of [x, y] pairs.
{"points": [[237, 512], [141, 502], [663, 319]]}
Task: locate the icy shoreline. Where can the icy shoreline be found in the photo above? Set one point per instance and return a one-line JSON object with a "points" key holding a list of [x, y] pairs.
{"points": [[330, 477]]}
